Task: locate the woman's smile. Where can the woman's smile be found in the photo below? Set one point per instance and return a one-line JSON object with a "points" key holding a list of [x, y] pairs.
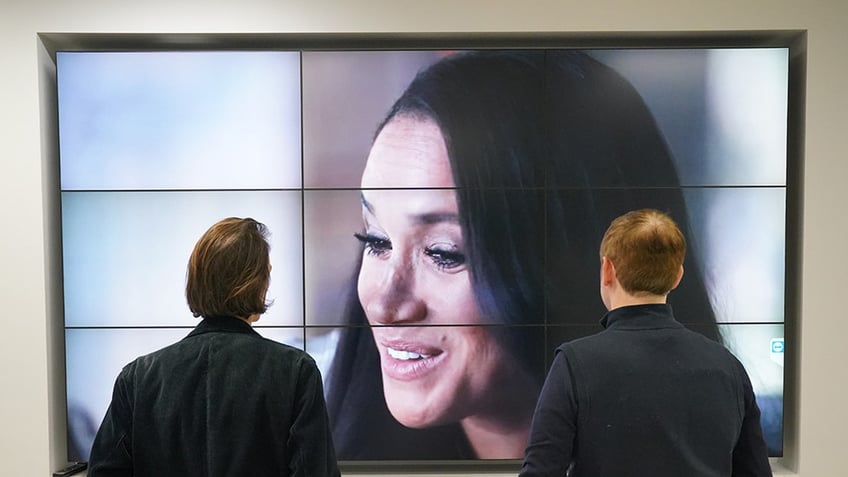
{"points": [[408, 359]]}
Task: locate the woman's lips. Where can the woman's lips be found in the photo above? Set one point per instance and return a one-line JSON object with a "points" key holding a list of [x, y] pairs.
{"points": [[408, 360]]}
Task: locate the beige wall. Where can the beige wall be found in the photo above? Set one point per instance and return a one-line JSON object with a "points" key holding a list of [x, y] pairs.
{"points": [[30, 406]]}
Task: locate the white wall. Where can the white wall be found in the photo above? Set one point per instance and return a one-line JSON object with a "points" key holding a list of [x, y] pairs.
{"points": [[30, 408]]}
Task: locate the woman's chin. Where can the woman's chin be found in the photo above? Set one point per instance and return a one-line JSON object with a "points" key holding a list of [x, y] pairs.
{"points": [[411, 421], [413, 413]]}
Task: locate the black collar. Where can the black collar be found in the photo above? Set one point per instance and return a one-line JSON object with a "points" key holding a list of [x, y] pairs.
{"points": [[225, 324], [640, 317]]}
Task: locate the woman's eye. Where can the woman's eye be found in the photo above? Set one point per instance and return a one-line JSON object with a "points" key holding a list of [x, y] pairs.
{"points": [[445, 258], [374, 245]]}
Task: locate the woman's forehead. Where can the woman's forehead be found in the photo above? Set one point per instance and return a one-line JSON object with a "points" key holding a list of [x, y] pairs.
{"points": [[408, 152]]}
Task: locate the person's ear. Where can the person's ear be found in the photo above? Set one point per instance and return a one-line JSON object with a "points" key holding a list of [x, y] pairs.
{"points": [[607, 271], [679, 277]]}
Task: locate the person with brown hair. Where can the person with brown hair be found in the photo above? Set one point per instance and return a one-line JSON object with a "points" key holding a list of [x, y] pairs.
{"points": [[223, 401], [645, 396]]}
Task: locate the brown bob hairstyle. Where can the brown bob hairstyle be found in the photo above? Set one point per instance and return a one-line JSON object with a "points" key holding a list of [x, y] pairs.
{"points": [[229, 270], [647, 249]]}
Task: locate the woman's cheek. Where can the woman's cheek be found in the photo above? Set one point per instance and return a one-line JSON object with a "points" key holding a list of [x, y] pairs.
{"points": [[486, 354]]}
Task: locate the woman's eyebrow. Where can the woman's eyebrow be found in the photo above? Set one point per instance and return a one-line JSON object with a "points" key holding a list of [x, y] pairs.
{"points": [[428, 218], [435, 218]]}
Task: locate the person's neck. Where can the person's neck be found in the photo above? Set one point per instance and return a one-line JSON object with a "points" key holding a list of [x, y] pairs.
{"points": [[626, 299], [501, 428], [493, 440]]}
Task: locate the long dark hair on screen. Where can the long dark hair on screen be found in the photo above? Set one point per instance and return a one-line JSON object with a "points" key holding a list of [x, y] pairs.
{"points": [[546, 148]]}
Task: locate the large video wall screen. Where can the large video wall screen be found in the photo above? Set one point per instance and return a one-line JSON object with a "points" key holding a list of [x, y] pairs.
{"points": [[431, 294]]}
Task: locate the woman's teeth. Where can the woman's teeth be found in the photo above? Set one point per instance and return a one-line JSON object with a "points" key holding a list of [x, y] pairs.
{"points": [[405, 355]]}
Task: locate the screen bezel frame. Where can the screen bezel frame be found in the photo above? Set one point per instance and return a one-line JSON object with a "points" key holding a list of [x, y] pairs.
{"points": [[794, 40]]}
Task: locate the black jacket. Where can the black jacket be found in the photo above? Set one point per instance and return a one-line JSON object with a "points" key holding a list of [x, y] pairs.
{"points": [[646, 396], [223, 401]]}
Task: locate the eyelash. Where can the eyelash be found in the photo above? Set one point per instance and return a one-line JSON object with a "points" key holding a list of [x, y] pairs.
{"points": [[375, 246], [443, 259]]}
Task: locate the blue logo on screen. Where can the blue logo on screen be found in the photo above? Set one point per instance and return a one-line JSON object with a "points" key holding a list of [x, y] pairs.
{"points": [[777, 345]]}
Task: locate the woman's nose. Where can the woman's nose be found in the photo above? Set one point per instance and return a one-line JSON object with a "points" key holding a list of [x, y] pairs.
{"points": [[390, 296]]}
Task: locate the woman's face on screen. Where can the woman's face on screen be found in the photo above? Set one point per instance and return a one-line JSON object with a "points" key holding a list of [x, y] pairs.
{"points": [[414, 284]]}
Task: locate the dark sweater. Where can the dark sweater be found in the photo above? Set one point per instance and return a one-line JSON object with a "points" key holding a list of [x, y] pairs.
{"points": [[221, 402], [646, 397]]}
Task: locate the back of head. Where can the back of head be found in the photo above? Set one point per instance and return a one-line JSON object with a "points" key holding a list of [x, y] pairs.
{"points": [[229, 270], [647, 249]]}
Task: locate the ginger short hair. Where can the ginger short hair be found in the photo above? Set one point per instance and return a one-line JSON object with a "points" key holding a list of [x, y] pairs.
{"points": [[647, 248], [229, 270]]}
